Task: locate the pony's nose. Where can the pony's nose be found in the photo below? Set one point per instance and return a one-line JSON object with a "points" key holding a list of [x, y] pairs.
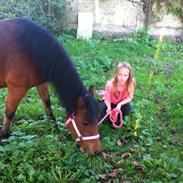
{"points": [[95, 151], [98, 152], [82, 150]]}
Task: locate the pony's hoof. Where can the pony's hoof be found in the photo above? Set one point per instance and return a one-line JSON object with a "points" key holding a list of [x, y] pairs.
{"points": [[52, 118], [3, 134]]}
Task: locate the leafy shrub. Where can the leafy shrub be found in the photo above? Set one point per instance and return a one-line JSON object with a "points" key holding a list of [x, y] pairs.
{"points": [[48, 13], [143, 37]]}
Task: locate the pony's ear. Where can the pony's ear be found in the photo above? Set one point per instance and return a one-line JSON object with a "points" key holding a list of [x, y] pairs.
{"points": [[92, 90], [80, 102]]}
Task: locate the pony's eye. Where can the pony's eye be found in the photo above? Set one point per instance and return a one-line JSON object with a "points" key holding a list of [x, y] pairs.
{"points": [[86, 124]]}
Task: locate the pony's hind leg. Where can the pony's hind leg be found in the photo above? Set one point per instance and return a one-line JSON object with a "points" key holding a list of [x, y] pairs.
{"points": [[13, 99], [43, 93]]}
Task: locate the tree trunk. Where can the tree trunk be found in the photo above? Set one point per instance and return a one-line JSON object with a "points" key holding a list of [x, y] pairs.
{"points": [[147, 9], [181, 12]]}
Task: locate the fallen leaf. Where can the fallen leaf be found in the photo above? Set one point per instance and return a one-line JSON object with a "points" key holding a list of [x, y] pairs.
{"points": [[109, 155], [119, 143], [115, 172], [120, 162], [134, 149], [126, 155], [138, 166]]}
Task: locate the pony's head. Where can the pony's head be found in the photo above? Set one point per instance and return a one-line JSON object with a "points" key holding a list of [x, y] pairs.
{"points": [[83, 124]]}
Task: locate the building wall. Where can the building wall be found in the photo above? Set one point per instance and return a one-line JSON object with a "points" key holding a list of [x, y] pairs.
{"points": [[119, 17]]}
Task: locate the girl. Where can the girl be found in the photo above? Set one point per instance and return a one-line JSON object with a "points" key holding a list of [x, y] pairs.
{"points": [[120, 89]]}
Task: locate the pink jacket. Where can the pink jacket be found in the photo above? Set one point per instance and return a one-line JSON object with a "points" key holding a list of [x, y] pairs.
{"points": [[123, 96]]}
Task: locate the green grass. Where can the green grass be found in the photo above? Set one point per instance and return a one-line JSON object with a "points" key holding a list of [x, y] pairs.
{"points": [[149, 146]]}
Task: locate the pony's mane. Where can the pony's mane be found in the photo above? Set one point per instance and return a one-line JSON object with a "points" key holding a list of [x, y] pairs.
{"points": [[55, 65]]}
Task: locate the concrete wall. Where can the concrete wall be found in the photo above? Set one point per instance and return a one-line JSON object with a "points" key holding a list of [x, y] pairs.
{"points": [[119, 17]]}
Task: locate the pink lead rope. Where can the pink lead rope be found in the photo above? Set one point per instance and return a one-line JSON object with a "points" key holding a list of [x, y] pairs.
{"points": [[113, 117]]}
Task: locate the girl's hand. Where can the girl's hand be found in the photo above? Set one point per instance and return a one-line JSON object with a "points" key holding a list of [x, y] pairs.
{"points": [[118, 107], [108, 110]]}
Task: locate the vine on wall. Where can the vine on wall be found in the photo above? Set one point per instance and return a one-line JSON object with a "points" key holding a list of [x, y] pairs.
{"points": [[174, 7]]}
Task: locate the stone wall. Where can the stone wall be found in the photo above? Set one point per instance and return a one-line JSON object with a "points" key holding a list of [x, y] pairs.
{"points": [[119, 17], [116, 17]]}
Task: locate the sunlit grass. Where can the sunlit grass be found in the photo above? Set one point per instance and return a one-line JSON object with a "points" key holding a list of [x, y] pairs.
{"points": [[148, 148]]}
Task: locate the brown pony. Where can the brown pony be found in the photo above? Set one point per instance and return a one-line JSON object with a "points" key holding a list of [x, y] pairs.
{"points": [[30, 56]]}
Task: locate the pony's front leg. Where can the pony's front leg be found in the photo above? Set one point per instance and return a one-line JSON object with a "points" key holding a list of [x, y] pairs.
{"points": [[13, 99], [44, 95]]}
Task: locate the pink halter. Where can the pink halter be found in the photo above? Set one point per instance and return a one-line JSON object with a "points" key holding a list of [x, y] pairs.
{"points": [[79, 136]]}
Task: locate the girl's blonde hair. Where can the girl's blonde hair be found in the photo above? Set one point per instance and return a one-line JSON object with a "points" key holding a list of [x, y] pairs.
{"points": [[129, 80]]}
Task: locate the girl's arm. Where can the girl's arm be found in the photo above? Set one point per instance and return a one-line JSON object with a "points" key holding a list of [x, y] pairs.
{"points": [[107, 97], [125, 101], [108, 106], [129, 98]]}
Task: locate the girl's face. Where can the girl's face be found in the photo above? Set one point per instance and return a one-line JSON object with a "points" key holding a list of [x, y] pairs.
{"points": [[123, 74]]}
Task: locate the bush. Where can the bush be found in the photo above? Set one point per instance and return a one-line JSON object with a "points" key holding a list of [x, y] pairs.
{"points": [[143, 37], [46, 12]]}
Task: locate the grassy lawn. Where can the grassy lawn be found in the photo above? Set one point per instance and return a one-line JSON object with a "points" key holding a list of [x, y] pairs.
{"points": [[149, 146]]}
